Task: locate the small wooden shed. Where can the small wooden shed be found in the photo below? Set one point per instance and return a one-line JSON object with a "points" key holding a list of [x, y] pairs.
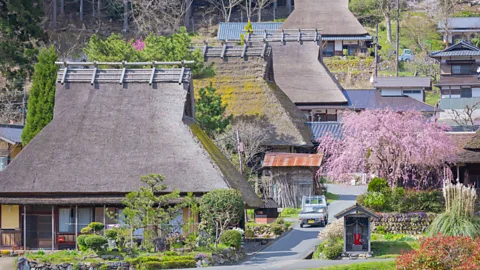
{"points": [[356, 229], [268, 213]]}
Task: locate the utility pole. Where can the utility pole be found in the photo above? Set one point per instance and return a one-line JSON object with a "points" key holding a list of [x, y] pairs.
{"points": [[376, 53], [398, 37], [239, 150]]}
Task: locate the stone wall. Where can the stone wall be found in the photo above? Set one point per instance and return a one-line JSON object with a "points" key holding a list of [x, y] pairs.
{"points": [[407, 223], [227, 256], [24, 264]]}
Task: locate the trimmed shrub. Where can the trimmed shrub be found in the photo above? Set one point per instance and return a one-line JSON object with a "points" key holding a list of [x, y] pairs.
{"points": [[170, 253], [176, 258], [375, 200], [111, 234], [152, 265], [443, 252], [249, 233], [81, 242], [151, 258], [377, 185], [276, 229], [232, 238], [333, 251], [96, 226], [95, 242], [86, 230]]}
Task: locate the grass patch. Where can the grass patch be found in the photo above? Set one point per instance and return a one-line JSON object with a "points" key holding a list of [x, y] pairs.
{"points": [[387, 265], [392, 249], [290, 212], [332, 197], [432, 97]]}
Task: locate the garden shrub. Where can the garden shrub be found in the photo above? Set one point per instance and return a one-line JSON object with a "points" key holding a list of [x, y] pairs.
{"points": [[151, 266], [96, 226], [170, 253], [249, 233], [86, 230], [176, 258], [279, 221], [332, 249], [333, 231], [276, 229], [95, 242], [377, 185], [150, 258], [361, 199], [232, 238], [442, 253], [111, 234], [81, 242], [375, 200]]}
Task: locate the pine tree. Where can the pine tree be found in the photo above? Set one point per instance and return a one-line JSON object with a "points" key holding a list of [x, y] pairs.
{"points": [[210, 112], [42, 94]]}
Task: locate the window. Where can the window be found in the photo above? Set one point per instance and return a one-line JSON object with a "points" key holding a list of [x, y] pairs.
{"points": [[66, 219], [412, 91], [3, 163], [466, 93], [460, 69]]}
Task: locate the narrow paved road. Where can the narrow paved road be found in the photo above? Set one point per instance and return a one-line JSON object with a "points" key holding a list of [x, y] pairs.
{"points": [[301, 241], [289, 251], [7, 263]]}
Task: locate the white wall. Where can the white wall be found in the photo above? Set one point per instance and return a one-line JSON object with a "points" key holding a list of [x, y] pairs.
{"points": [[475, 92], [418, 96], [338, 45], [391, 92]]}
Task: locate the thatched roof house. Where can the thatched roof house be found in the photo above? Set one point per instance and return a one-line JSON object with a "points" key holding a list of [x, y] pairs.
{"points": [[467, 162], [105, 136], [330, 17]]}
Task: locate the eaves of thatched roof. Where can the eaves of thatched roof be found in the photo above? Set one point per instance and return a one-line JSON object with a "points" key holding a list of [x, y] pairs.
{"points": [[104, 137]]}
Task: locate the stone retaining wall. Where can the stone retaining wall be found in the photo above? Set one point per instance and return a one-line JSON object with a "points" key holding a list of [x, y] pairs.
{"points": [[404, 223]]}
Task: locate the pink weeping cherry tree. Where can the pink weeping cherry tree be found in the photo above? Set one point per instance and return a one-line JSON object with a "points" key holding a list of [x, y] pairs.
{"points": [[404, 148]]}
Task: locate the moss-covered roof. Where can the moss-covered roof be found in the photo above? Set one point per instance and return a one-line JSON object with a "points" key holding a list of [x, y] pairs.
{"points": [[474, 143], [246, 94]]}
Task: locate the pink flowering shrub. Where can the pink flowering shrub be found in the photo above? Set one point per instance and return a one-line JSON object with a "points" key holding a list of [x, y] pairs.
{"points": [[139, 44], [403, 147]]}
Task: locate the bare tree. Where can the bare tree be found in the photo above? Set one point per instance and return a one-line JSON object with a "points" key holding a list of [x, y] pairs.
{"points": [[467, 117], [445, 9], [11, 106], [159, 16], [385, 7], [250, 6], [225, 7]]}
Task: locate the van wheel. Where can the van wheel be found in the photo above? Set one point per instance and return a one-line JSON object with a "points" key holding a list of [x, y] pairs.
{"points": [[301, 225]]}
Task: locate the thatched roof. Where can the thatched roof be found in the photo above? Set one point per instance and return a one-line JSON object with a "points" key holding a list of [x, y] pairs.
{"points": [[330, 17], [468, 144], [300, 75], [247, 95], [104, 137]]}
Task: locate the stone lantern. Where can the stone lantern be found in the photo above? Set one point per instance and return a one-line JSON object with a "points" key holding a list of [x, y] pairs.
{"points": [[356, 230]]}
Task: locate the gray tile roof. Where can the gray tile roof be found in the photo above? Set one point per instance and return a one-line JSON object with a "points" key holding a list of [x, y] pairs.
{"points": [[331, 38], [461, 23], [320, 129], [11, 133], [460, 49], [233, 30], [402, 82]]}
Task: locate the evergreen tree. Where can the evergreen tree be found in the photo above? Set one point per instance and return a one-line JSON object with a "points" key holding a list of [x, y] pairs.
{"points": [[42, 94], [20, 30], [210, 112]]}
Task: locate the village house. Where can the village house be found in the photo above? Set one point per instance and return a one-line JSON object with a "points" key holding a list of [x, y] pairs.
{"points": [[459, 28], [459, 84], [466, 169], [10, 143], [110, 127]]}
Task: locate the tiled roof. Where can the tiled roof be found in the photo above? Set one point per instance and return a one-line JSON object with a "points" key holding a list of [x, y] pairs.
{"points": [[461, 23], [458, 80], [455, 53], [402, 82], [373, 99], [11, 133], [462, 48], [292, 160], [331, 38], [320, 129], [233, 30]]}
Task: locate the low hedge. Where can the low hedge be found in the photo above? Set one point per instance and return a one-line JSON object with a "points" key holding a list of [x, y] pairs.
{"points": [[168, 265]]}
